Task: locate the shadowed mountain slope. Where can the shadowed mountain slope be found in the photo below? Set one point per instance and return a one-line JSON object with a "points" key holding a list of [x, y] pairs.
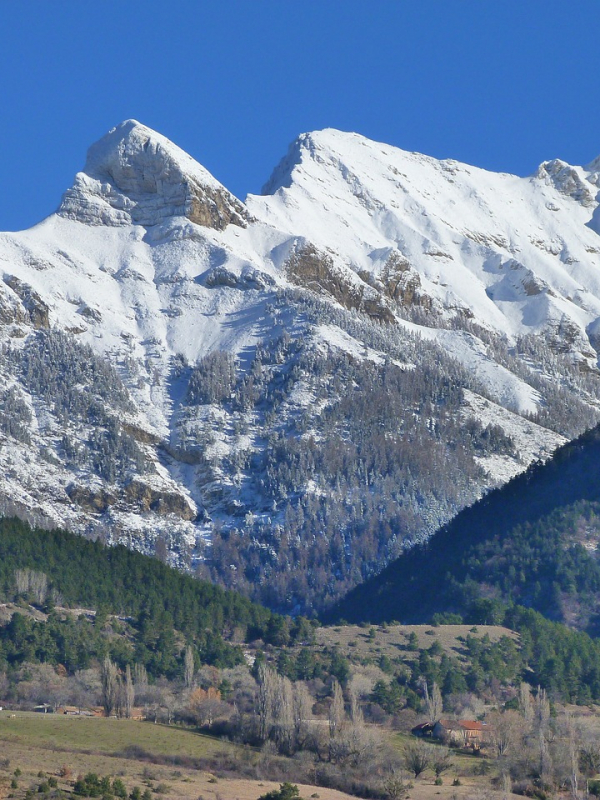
{"points": [[533, 541]]}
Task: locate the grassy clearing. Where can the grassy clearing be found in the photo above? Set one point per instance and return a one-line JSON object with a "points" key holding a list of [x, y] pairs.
{"points": [[392, 641], [106, 736]]}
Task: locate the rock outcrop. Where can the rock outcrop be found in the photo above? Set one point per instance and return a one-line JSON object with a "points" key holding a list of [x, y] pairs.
{"points": [[136, 176]]}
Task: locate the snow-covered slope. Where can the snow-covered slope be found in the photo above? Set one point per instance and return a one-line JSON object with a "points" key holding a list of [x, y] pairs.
{"points": [[140, 262], [517, 255], [311, 378]]}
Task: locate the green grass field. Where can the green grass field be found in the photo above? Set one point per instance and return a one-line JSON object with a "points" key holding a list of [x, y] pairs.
{"points": [[60, 745], [105, 736]]}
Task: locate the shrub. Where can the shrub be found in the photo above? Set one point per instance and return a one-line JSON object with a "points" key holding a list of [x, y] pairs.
{"points": [[286, 791]]}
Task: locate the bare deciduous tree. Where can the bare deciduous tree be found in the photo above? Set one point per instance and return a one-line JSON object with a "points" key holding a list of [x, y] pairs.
{"points": [[505, 731], [32, 583], [441, 761], [525, 702], [205, 704], [284, 715], [337, 714], [433, 703], [395, 786], [85, 688], [356, 714], [541, 718], [303, 705], [152, 698], [573, 751], [589, 753], [140, 677], [265, 701], [417, 757]]}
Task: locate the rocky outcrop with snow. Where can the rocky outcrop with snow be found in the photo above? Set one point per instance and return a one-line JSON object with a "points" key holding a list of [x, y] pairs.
{"points": [[134, 176]]}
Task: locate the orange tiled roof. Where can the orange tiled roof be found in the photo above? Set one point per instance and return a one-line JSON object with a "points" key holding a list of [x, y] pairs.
{"points": [[450, 724], [471, 725]]}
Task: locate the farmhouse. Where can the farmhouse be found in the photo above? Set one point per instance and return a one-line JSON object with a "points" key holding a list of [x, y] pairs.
{"points": [[462, 733]]}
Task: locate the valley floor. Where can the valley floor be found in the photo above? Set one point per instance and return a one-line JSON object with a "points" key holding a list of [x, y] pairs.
{"points": [[44, 746]]}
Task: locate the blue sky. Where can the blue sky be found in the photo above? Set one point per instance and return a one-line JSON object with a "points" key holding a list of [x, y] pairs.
{"points": [[503, 84]]}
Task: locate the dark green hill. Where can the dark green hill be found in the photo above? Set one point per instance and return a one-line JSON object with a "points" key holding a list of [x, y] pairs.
{"points": [[532, 542], [164, 608]]}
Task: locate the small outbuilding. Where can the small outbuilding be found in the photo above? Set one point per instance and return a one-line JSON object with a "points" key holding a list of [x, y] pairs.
{"points": [[44, 708], [423, 731]]}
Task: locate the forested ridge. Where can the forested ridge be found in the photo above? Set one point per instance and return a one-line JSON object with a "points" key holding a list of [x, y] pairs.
{"points": [[161, 608], [317, 459], [521, 543]]}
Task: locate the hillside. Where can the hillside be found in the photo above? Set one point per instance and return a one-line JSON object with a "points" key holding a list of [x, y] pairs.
{"points": [[281, 395], [533, 542], [156, 611]]}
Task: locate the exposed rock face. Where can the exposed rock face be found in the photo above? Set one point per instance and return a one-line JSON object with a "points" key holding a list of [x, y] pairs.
{"points": [[141, 435], [250, 278], [35, 306], [11, 310], [567, 180], [142, 497], [135, 176], [402, 283], [147, 498], [94, 502], [313, 270], [213, 208]]}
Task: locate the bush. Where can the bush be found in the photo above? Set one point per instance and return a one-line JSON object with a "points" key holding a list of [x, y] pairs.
{"points": [[286, 791]]}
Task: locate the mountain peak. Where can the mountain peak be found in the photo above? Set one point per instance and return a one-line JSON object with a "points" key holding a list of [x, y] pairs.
{"points": [[306, 146], [333, 150], [281, 177], [135, 176]]}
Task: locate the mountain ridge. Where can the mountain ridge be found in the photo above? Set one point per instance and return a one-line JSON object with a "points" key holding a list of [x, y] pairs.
{"points": [[216, 380]]}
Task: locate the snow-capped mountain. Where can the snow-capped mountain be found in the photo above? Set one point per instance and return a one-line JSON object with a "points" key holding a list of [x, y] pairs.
{"points": [[517, 255], [282, 392]]}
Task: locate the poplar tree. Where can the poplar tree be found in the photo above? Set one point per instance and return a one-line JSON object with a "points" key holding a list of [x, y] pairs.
{"points": [[188, 667], [129, 693], [110, 685]]}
